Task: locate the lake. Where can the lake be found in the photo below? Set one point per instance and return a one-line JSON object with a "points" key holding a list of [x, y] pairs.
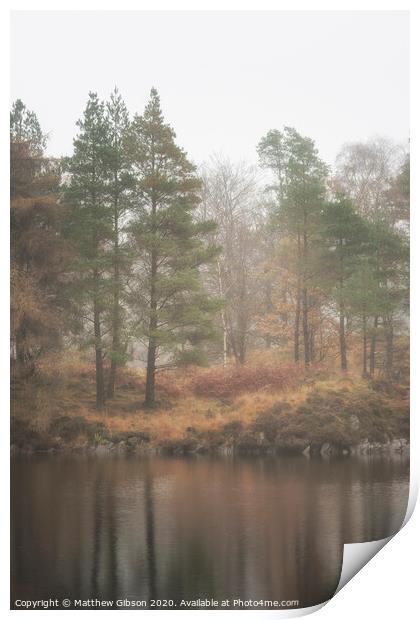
{"points": [[172, 529]]}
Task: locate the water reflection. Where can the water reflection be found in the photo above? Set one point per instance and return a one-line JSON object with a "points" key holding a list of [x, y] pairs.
{"points": [[271, 528]]}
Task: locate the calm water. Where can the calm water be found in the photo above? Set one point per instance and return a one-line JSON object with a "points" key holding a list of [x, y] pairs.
{"points": [[184, 528]]}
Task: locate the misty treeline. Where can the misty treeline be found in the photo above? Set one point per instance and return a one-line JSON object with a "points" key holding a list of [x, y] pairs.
{"points": [[126, 250]]}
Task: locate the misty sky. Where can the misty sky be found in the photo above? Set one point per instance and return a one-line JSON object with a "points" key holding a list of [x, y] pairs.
{"points": [[225, 78]]}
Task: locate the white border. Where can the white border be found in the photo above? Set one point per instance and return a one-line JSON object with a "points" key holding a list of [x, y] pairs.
{"points": [[397, 566]]}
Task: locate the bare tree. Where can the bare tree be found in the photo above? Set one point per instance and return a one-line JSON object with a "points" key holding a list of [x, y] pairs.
{"points": [[365, 171], [230, 198]]}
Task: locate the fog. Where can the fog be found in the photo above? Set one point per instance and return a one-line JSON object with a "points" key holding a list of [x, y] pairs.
{"points": [[224, 78]]}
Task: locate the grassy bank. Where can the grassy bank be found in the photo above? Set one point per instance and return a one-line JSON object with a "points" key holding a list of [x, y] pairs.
{"points": [[249, 409]]}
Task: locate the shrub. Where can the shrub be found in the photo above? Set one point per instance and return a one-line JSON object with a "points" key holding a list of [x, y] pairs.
{"points": [[228, 382]]}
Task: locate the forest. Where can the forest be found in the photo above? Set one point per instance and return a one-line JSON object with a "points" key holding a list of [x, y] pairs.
{"points": [[194, 307]]}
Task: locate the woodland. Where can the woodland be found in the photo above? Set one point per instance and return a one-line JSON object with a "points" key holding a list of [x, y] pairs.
{"points": [[201, 306]]}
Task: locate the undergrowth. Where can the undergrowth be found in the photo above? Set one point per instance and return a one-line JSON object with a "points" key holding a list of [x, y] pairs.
{"points": [[269, 404]]}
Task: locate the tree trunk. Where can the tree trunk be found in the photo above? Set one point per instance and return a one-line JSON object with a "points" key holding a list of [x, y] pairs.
{"points": [[232, 339], [321, 342], [242, 350], [298, 303], [116, 344], [373, 348], [268, 308], [115, 351], [100, 387], [242, 333], [312, 343], [223, 316], [389, 351], [364, 372], [297, 326], [224, 341], [305, 327], [343, 343], [151, 351], [149, 400]]}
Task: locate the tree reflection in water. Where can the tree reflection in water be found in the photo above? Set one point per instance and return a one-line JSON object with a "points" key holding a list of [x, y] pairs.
{"points": [[273, 528]]}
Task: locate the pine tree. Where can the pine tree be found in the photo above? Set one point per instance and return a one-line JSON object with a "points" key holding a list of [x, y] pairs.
{"points": [[306, 175], [121, 182], [300, 190], [361, 297], [173, 310], [272, 154], [345, 237], [90, 228], [390, 264], [25, 129]]}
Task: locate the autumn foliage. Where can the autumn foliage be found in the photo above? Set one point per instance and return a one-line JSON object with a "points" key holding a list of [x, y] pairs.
{"points": [[219, 382]]}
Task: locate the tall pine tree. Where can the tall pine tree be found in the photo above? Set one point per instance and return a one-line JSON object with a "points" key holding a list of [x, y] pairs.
{"points": [[345, 238], [300, 189], [173, 310], [90, 228], [120, 186]]}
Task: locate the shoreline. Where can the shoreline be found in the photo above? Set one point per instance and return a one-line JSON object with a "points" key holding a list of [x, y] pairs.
{"points": [[135, 446], [324, 417]]}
